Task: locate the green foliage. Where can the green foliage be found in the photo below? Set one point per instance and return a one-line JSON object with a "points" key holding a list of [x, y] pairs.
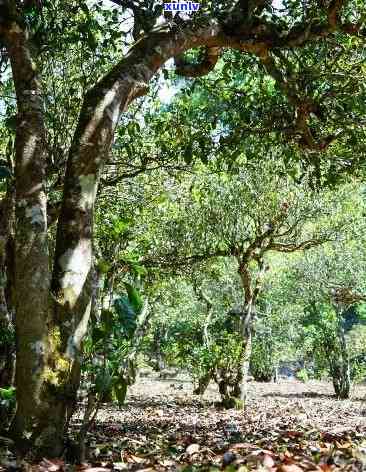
{"points": [[320, 334], [302, 375], [356, 338], [107, 349], [134, 298], [222, 355], [7, 405], [263, 359], [7, 394], [322, 342]]}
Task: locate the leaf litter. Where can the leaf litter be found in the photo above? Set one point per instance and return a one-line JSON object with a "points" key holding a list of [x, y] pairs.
{"points": [[287, 427]]}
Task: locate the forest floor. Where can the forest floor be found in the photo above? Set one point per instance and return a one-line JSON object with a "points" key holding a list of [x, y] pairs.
{"points": [[288, 426]]}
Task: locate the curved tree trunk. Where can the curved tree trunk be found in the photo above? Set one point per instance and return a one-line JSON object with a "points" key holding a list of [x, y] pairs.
{"points": [[251, 290]]}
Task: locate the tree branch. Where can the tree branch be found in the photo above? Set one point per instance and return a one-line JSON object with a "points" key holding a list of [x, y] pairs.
{"points": [[206, 65], [282, 247], [304, 106], [173, 260], [100, 114], [334, 11]]}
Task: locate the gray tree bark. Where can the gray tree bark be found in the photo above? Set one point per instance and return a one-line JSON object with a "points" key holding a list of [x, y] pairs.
{"points": [[340, 364]]}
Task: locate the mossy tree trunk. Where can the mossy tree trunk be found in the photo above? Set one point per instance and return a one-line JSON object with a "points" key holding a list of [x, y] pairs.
{"points": [[31, 245]]}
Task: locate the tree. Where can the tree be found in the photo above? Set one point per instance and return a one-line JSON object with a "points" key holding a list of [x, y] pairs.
{"points": [[245, 217], [331, 287], [52, 288]]}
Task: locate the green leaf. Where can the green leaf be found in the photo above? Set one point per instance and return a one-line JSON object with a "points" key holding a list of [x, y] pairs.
{"points": [[7, 393], [138, 269], [134, 297], [124, 308], [120, 226], [103, 266]]}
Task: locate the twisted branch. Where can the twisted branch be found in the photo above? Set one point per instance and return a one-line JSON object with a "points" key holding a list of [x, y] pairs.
{"points": [[208, 63]]}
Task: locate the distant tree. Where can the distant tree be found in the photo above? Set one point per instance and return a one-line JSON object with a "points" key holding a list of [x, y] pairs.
{"points": [[245, 217], [331, 286]]}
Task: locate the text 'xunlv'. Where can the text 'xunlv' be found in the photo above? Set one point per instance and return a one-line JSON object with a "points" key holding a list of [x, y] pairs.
{"points": [[181, 6]]}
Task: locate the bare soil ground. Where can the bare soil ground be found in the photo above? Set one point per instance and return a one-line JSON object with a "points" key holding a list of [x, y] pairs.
{"points": [[288, 426]]}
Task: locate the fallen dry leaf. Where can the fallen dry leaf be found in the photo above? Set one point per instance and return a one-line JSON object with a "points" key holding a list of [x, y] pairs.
{"points": [[162, 429], [193, 449], [268, 461], [290, 468]]}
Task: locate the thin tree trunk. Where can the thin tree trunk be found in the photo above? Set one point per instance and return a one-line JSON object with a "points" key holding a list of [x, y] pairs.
{"points": [[204, 381], [251, 292], [208, 319], [341, 371], [246, 352], [91, 410], [245, 327], [142, 324]]}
